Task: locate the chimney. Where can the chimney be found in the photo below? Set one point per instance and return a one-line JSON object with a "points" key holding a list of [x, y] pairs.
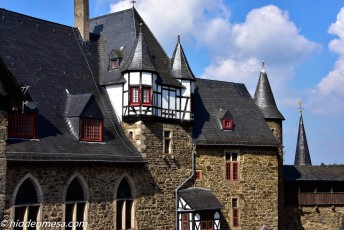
{"points": [[81, 18]]}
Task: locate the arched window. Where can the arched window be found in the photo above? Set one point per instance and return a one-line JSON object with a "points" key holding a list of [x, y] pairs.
{"points": [[26, 205], [124, 211], [75, 206]]}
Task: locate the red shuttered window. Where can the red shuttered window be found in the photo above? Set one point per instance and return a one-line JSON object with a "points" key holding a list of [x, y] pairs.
{"points": [[146, 95], [227, 124], [235, 213], [185, 221], [134, 96], [231, 167], [22, 125], [91, 129]]}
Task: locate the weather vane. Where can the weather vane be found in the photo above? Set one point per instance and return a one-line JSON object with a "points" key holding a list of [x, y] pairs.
{"points": [[300, 106], [133, 1]]}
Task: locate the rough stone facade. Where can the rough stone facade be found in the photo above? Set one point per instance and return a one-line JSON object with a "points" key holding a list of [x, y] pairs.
{"points": [[308, 218], [157, 207], [256, 190], [3, 164]]}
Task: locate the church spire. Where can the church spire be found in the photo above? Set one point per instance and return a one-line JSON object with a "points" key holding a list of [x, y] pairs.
{"points": [[302, 156], [264, 97]]}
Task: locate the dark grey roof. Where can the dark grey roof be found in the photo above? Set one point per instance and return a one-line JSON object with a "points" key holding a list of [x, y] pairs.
{"points": [[119, 31], [249, 126], [302, 156], [76, 104], [200, 199], [139, 59], [50, 58], [264, 98], [313, 173], [180, 65], [2, 90]]}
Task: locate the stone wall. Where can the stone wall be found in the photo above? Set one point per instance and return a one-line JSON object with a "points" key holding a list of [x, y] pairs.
{"points": [[256, 190], [167, 170], [3, 165], [308, 218], [101, 182]]}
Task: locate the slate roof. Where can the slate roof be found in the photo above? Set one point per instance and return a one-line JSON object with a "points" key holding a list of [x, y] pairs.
{"points": [[200, 199], [120, 31], [302, 156], [51, 58], [264, 98], [313, 173], [249, 126], [180, 65]]}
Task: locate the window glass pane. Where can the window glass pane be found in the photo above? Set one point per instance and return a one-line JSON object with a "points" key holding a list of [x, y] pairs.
{"points": [[228, 170], [69, 215], [128, 208], [22, 125], [32, 215], [119, 214], [80, 209], [19, 215], [167, 146], [26, 193], [91, 129], [75, 191], [234, 203], [124, 190], [146, 95], [134, 95], [234, 156], [235, 171], [228, 156]]}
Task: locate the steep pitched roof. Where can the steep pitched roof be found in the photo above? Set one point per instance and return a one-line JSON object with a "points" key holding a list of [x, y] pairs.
{"points": [[139, 59], [264, 98], [302, 156], [119, 31], [200, 199], [50, 58], [180, 65], [249, 126], [313, 173]]}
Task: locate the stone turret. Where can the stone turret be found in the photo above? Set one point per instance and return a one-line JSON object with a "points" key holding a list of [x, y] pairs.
{"points": [[265, 100], [302, 156]]}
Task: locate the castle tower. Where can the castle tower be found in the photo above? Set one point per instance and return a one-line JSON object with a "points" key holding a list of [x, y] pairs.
{"points": [[302, 156], [265, 100]]}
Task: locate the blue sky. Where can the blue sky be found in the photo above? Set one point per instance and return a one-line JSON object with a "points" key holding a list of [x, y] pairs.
{"points": [[301, 42]]}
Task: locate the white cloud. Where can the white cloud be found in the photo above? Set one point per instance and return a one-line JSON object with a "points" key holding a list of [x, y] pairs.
{"points": [[327, 97]]}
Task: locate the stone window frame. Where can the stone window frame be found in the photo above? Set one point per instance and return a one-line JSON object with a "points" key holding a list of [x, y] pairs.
{"points": [[85, 189], [230, 165], [39, 194], [235, 210], [132, 199], [168, 139]]}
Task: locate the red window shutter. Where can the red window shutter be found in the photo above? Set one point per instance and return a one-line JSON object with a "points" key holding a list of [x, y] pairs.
{"points": [[235, 174], [91, 129], [22, 125], [134, 95], [235, 217], [185, 221], [228, 170]]}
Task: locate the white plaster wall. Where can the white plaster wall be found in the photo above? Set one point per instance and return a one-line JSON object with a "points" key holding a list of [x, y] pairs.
{"points": [[115, 94]]}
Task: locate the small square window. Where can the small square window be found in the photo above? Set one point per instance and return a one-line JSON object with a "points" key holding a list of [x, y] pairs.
{"points": [[114, 63], [227, 124], [91, 129], [198, 175]]}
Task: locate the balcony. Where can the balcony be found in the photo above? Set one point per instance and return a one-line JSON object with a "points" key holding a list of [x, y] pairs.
{"points": [[321, 198]]}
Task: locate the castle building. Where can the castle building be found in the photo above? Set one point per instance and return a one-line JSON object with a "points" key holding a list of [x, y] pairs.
{"points": [[99, 125]]}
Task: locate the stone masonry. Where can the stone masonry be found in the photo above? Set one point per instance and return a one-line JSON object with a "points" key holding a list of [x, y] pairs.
{"points": [[256, 190], [3, 165]]}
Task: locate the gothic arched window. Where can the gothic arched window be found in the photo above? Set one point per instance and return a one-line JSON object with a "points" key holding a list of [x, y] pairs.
{"points": [[75, 206], [124, 210], [26, 204]]}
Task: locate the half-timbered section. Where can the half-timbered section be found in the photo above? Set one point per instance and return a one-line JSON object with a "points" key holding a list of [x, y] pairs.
{"points": [[198, 209]]}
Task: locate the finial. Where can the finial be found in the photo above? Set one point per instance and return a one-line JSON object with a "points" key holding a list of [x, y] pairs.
{"points": [[141, 28], [178, 38], [133, 1], [300, 106], [263, 67]]}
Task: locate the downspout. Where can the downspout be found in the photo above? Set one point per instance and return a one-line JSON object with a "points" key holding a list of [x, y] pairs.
{"points": [[189, 178]]}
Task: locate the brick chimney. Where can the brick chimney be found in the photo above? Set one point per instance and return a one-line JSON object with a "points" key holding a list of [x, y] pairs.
{"points": [[82, 18]]}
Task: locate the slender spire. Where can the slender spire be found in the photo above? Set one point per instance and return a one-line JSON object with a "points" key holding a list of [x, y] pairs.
{"points": [[180, 65], [302, 156], [264, 97]]}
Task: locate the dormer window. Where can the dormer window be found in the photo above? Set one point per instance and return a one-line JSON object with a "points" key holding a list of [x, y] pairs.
{"points": [[114, 63], [22, 125], [91, 129], [227, 124]]}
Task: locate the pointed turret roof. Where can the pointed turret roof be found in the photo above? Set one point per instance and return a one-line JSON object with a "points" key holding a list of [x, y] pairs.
{"points": [[264, 97], [140, 59], [302, 156], [180, 65]]}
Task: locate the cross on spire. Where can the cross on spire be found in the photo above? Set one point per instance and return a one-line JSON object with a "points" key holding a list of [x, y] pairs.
{"points": [[133, 1], [300, 106]]}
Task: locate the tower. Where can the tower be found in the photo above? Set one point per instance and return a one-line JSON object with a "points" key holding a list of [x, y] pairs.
{"points": [[265, 100], [302, 156]]}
